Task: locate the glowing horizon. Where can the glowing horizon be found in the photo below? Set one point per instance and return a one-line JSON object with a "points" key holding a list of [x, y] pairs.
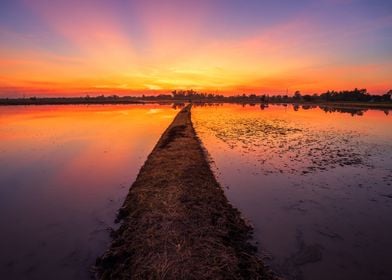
{"points": [[226, 46]]}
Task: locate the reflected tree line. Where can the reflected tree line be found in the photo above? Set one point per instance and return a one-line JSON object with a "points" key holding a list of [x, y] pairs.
{"points": [[296, 107], [329, 102]]}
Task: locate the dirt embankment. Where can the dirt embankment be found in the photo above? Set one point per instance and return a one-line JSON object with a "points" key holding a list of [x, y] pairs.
{"points": [[176, 220]]}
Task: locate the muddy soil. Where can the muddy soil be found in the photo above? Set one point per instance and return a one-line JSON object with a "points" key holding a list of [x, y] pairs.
{"points": [[176, 222]]}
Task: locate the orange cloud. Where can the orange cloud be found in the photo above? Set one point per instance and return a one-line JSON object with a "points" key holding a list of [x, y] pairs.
{"points": [[174, 49]]}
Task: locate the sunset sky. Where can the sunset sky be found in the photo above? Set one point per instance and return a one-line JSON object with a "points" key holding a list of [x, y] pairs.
{"points": [[227, 46]]}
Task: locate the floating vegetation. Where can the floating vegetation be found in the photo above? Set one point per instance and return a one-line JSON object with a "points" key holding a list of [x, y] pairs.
{"points": [[281, 145]]}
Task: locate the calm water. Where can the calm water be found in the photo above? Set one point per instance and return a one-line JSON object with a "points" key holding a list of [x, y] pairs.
{"points": [[316, 184], [64, 171]]}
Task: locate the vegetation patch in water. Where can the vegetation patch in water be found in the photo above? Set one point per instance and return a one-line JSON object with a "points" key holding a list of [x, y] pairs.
{"points": [[279, 145]]}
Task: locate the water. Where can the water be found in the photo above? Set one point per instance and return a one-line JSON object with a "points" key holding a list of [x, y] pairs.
{"points": [[315, 183], [64, 171]]}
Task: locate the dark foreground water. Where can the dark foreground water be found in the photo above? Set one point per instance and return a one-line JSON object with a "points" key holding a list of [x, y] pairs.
{"points": [[64, 172], [316, 183]]}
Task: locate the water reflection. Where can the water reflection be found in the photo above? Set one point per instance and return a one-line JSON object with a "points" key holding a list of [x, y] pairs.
{"points": [[351, 111], [354, 111], [64, 171], [316, 184]]}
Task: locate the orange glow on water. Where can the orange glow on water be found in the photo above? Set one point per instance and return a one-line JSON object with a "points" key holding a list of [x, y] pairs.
{"points": [[65, 171], [103, 125]]}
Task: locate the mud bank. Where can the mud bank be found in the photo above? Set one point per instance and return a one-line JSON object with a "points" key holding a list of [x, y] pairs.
{"points": [[176, 222]]}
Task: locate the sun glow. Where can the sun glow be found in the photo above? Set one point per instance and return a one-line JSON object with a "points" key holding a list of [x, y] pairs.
{"points": [[69, 47]]}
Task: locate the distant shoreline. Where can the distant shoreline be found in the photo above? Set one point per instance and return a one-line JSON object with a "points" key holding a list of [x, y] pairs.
{"points": [[133, 100], [64, 101], [348, 104]]}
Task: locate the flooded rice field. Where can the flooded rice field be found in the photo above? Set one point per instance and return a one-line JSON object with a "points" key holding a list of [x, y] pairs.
{"points": [[316, 183], [64, 172]]}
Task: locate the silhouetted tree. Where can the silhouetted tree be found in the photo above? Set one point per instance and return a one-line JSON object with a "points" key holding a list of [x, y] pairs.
{"points": [[297, 95]]}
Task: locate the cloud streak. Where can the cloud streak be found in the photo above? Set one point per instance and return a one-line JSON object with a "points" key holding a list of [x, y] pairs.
{"points": [[142, 46]]}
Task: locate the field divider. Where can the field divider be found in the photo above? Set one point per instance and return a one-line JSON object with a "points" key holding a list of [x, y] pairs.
{"points": [[176, 222]]}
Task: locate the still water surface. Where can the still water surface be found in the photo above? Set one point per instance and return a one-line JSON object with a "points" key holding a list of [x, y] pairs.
{"points": [[64, 171], [315, 183]]}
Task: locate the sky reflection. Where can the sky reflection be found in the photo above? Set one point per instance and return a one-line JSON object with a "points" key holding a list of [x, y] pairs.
{"points": [[316, 185], [64, 172]]}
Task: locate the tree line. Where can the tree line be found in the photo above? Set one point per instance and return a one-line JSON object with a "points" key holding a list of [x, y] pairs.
{"points": [[356, 95]]}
